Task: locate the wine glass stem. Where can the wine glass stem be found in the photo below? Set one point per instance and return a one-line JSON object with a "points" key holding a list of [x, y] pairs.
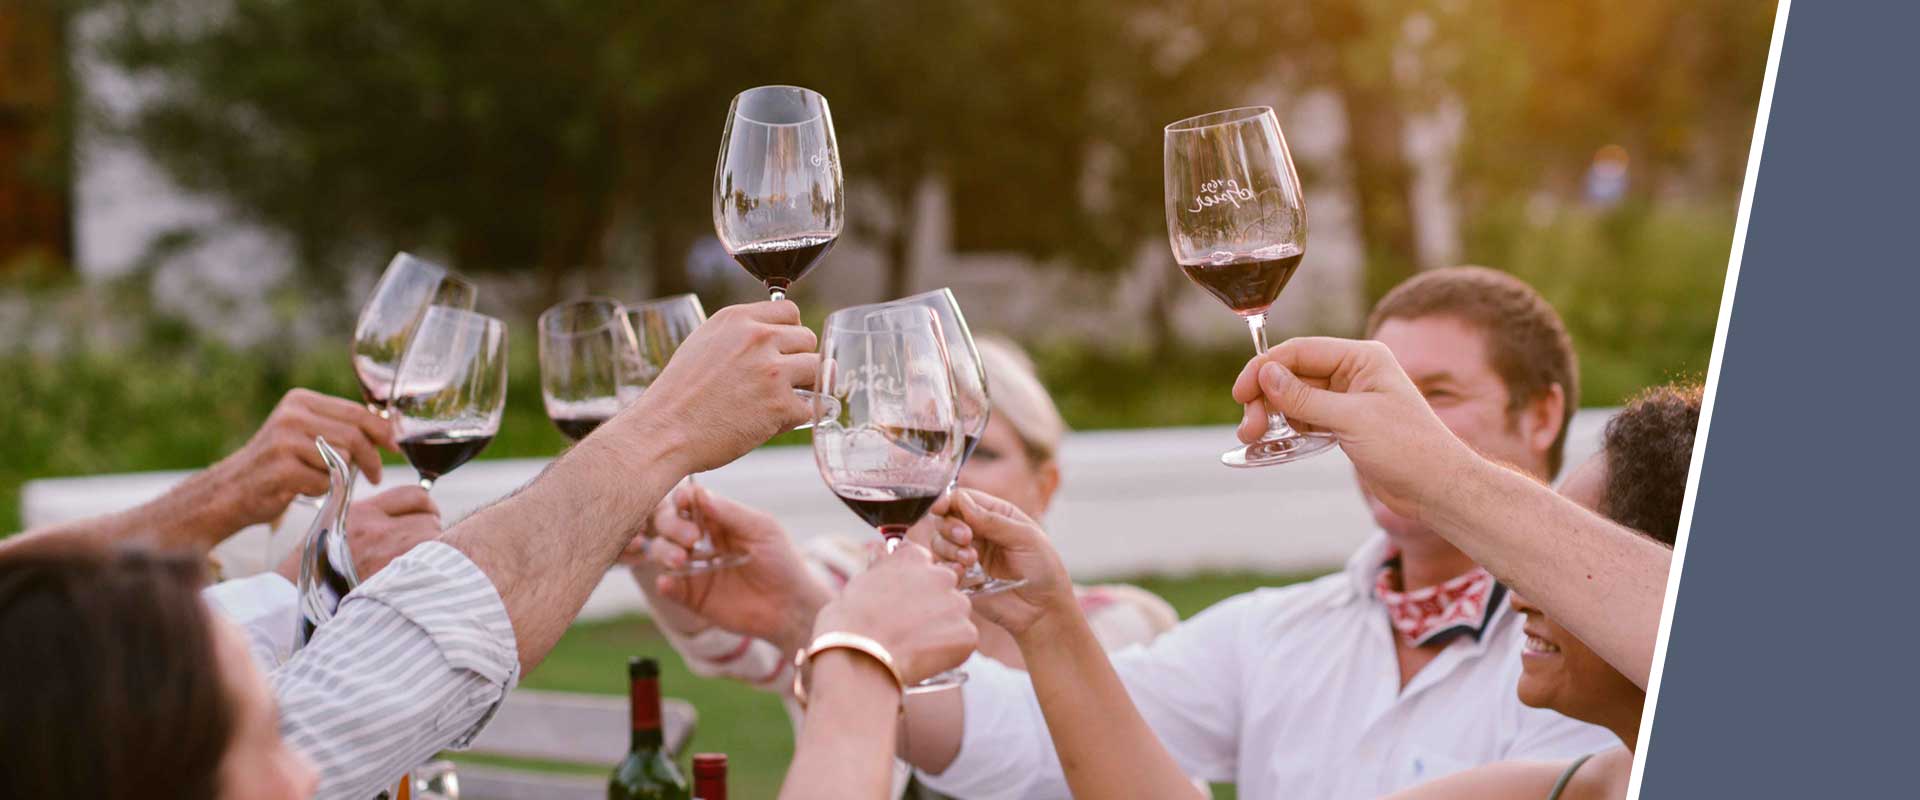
{"points": [[1277, 427], [776, 293], [426, 484]]}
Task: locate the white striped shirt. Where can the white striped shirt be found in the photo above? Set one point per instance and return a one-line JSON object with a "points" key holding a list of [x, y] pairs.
{"points": [[416, 661]]}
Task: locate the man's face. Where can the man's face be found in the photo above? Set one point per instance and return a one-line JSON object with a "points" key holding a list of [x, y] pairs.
{"points": [[1448, 360]]}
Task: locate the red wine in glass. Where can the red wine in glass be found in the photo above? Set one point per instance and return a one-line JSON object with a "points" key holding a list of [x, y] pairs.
{"points": [[890, 509], [577, 427], [781, 262], [1246, 283], [435, 454]]}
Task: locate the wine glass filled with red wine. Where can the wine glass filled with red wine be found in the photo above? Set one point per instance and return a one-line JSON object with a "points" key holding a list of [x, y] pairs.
{"points": [[589, 364], [660, 326], [894, 444], [777, 188], [1238, 225], [972, 404], [777, 205], [450, 390], [391, 315]]}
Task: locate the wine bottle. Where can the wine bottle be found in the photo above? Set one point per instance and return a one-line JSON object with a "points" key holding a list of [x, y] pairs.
{"points": [[647, 773], [709, 776]]}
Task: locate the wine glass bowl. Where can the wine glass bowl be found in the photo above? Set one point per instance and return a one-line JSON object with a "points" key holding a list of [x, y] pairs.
{"points": [[895, 444], [450, 390], [390, 316], [1237, 224], [777, 188], [589, 364]]}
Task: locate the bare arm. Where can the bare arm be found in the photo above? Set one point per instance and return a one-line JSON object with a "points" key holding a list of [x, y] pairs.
{"points": [[1105, 746], [726, 391], [1604, 582], [908, 605], [252, 485], [845, 745]]}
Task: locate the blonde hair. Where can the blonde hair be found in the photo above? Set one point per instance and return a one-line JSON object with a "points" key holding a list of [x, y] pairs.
{"points": [[1020, 398]]}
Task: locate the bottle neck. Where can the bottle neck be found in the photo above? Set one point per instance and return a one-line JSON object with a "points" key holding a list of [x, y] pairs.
{"points": [[644, 700]]}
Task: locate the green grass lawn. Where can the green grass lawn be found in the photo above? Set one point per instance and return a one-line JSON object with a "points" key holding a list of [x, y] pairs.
{"points": [[749, 726]]}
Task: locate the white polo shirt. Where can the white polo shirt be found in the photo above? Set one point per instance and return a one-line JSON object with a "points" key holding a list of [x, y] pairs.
{"points": [[1291, 693]]}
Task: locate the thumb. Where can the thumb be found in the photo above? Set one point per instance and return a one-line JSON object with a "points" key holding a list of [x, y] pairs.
{"points": [[1286, 393]]}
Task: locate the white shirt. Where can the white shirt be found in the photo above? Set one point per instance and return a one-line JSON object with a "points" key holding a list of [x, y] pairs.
{"points": [[416, 661], [1291, 693]]}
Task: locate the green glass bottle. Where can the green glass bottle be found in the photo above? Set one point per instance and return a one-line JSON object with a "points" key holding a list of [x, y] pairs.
{"points": [[647, 773]]}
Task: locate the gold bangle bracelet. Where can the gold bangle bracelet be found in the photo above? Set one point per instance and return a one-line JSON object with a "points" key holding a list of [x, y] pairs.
{"points": [[841, 640]]}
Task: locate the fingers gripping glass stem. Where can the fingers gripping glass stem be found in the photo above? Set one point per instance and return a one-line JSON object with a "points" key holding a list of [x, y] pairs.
{"points": [[1281, 443]]}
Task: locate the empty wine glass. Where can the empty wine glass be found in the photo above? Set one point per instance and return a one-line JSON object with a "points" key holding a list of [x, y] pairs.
{"points": [[450, 390], [661, 326], [894, 446], [777, 188], [973, 404], [1237, 222], [391, 315], [589, 364]]}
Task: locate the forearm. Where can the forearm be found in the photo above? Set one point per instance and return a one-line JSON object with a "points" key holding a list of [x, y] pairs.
{"points": [[191, 515], [845, 749], [546, 547], [1106, 748], [1603, 582]]}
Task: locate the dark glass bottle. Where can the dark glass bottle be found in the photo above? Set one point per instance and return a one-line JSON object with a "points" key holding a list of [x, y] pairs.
{"points": [[709, 776], [647, 773]]}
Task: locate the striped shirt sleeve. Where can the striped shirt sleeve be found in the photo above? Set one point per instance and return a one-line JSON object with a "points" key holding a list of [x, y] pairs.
{"points": [[416, 661]]}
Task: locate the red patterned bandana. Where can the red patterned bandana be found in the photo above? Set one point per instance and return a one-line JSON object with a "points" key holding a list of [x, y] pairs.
{"points": [[1436, 614]]}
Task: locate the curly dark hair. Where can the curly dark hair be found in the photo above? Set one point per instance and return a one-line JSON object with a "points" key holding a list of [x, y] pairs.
{"points": [[1649, 447]]}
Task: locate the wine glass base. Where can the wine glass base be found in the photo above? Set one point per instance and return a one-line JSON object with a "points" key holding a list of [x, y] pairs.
{"points": [[703, 563], [826, 406], [951, 679], [1268, 452], [992, 586]]}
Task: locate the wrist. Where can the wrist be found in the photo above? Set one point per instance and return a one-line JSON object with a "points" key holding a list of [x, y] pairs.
{"points": [[804, 618], [1058, 618], [847, 676], [195, 513]]}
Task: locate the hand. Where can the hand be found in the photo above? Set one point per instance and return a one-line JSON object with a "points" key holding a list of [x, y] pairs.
{"points": [[728, 389], [1019, 550], [380, 529], [772, 596], [1357, 391], [256, 483], [909, 605], [385, 526]]}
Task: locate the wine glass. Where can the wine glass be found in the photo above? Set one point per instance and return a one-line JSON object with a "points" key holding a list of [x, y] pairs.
{"points": [[450, 390], [972, 404], [777, 187], [589, 364], [660, 326], [1238, 225], [894, 445], [391, 315]]}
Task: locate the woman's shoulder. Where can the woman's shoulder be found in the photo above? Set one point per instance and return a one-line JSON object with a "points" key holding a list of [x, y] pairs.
{"points": [[1123, 615]]}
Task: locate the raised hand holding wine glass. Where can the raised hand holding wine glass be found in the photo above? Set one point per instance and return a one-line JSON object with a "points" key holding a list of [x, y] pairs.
{"points": [[1237, 221], [660, 327], [894, 446], [589, 364], [972, 404], [450, 390]]}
